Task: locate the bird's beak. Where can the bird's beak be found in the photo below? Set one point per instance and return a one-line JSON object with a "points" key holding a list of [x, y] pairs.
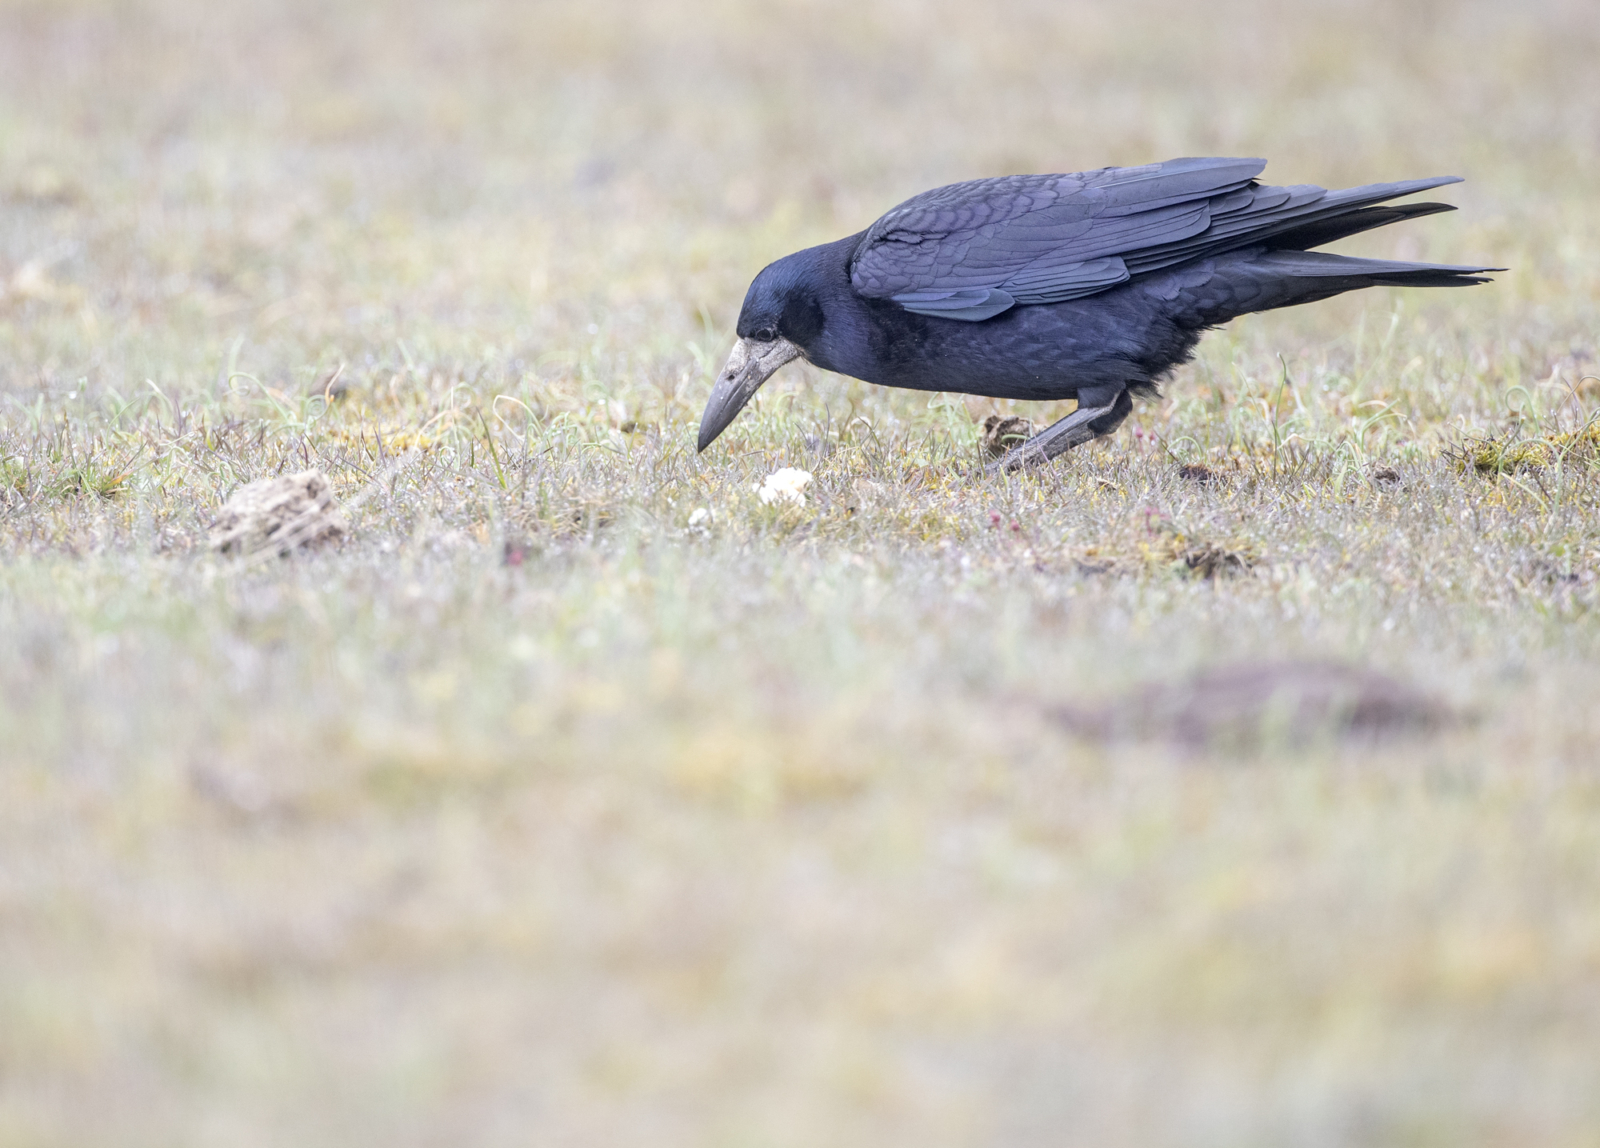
{"points": [[750, 364]]}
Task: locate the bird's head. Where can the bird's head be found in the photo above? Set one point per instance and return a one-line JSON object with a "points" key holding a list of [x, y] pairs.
{"points": [[781, 316]]}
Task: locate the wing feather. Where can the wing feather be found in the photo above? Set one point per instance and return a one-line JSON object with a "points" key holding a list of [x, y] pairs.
{"points": [[974, 249]]}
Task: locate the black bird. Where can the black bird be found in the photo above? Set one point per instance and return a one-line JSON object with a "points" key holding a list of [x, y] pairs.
{"points": [[1089, 286]]}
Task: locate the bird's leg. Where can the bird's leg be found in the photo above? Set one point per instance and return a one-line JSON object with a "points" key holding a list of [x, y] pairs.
{"points": [[1099, 412]]}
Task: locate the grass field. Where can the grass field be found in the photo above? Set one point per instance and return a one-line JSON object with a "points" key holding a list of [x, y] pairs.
{"points": [[532, 813]]}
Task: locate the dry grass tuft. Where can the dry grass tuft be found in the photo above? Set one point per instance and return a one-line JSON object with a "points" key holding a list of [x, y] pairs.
{"points": [[1001, 433], [1199, 473]]}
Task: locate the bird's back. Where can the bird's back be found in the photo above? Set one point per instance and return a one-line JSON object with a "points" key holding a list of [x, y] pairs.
{"points": [[973, 250]]}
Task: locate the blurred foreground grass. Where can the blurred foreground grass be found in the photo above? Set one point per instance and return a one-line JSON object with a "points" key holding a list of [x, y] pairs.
{"points": [[534, 813]]}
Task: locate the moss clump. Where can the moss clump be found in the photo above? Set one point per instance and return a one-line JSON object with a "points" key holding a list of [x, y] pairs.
{"points": [[1508, 455]]}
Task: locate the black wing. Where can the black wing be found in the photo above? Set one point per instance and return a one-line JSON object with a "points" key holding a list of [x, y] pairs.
{"points": [[972, 250]]}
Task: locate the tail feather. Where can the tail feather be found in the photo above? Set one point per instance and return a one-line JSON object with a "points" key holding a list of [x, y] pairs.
{"points": [[1245, 282], [1314, 265], [1274, 213], [1352, 223]]}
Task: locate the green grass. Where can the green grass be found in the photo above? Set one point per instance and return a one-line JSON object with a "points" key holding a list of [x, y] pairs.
{"points": [[540, 810]]}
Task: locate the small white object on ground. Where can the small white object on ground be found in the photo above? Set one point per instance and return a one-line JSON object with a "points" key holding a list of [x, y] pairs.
{"points": [[700, 520], [278, 514], [785, 485]]}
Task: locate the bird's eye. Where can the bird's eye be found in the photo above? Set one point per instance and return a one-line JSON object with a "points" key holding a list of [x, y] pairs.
{"points": [[766, 334]]}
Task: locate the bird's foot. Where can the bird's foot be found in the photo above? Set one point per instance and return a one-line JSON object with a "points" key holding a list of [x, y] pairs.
{"points": [[1057, 439]]}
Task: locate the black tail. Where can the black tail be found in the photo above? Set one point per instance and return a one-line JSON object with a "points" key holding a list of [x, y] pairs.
{"points": [[1266, 280], [1346, 273], [1289, 218], [1351, 223]]}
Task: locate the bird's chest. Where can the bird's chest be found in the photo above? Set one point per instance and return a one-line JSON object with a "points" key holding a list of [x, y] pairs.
{"points": [[996, 356]]}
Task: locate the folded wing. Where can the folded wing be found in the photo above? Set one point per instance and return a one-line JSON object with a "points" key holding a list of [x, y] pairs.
{"points": [[972, 250]]}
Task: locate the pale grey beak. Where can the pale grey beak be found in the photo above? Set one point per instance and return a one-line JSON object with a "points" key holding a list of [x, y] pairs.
{"points": [[750, 365]]}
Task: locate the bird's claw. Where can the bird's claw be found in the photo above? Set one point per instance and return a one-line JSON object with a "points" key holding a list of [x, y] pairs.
{"points": [[1053, 441]]}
